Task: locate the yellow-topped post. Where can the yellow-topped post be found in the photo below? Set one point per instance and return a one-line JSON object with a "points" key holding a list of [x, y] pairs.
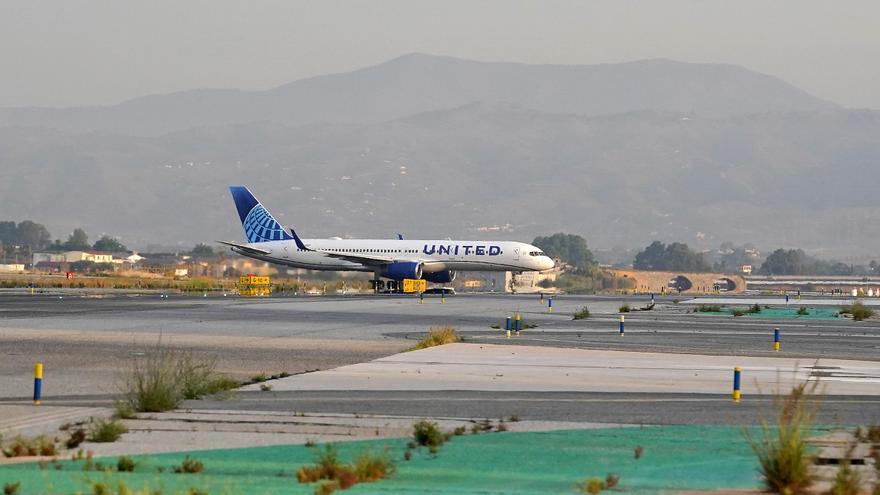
{"points": [[38, 382], [737, 381]]}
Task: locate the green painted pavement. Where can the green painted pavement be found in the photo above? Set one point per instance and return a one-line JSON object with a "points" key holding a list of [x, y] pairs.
{"points": [[675, 458], [784, 313]]}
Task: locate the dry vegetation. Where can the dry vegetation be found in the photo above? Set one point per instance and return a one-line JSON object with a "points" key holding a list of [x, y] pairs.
{"points": [[438, 336]]}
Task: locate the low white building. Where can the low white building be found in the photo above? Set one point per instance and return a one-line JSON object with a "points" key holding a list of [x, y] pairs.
{"points": [[12, 268]]}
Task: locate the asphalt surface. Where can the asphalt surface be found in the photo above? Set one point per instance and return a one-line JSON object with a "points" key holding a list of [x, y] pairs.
{"points": [[86, 341]]}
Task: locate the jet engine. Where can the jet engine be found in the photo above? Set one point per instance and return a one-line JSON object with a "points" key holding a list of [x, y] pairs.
{"points": [[444, 277], [402, 270]]}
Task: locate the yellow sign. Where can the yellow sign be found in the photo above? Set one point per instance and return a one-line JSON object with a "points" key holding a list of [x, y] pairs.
{"points": [[253, 280], [413, 285]]}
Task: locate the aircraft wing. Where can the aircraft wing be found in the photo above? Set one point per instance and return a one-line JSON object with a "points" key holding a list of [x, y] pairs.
{"points": [[366, 259], [245, 248]]}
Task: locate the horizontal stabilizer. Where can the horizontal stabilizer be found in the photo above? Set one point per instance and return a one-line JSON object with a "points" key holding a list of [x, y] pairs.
{"points": [[245, 248]]}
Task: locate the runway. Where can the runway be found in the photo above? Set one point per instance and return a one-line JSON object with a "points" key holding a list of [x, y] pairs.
{"points": [[84, 341]]}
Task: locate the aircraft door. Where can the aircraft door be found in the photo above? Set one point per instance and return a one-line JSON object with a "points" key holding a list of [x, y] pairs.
{"points": [[516, 254], [284, 252]]}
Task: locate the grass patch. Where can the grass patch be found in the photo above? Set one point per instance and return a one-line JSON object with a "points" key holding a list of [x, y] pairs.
{"points": [[29, 447], [858, 311], [104, 431], [367, 467], [581, 314], [438, 336], [428, 434], [190, 465], [165, 377], [125, 464], [595, 485], [783, 455]]}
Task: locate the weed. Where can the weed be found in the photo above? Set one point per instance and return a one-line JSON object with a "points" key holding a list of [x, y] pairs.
{"points": [[709, 308], [407, 455], [858, 311], [23, 447], [847, 481], [459, 430], [100, 488], [326, 488], [591, 486], [428, 434], [123, 410], [737, 312], [259, 378], [501, 426], [283, 374], [754, 309], [624, 309], [638, 451], [782, 450], [802, 311], [373, 467], [438, 336], [310, 443], [191, 491], [581, 314], [165, 377], [189, 466], [106, 431], [125, 464], [514, 418], [77, 437], [265, 387], [11, 488], [611, 480]]}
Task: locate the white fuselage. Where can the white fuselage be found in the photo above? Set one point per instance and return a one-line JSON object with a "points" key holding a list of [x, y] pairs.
{"points": [[434, 255]]}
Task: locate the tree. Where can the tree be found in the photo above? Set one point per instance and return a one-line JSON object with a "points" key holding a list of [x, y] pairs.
{"points": [[8, 233], [651, 258], [782, 262], [109, 244], [570, 248], [33, 234], [202, 251], [674, 257], [78, 241]]}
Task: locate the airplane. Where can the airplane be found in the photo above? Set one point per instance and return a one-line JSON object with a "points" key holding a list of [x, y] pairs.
{"points": [[436, 261]]}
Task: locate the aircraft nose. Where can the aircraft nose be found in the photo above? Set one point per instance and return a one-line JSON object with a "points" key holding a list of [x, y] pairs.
{"points": [[547, 263]]}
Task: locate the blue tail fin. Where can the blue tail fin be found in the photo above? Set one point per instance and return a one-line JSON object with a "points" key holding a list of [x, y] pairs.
{"points": [[259, 225]]}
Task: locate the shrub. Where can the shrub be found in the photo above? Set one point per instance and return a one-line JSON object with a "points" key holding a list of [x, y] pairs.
{"points": [[438, 336], [24, 447], [858, 311], [803, 311], [624, 309], [847, 481], [592, 486], [125, 464], [581, 314], [77, 437], [428, 434], [373, 467], [782, 450], [165, 378], [11, 488], [189, 466], [106, 431]]}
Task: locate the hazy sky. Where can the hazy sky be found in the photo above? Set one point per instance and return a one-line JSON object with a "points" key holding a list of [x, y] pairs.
{"points": [[63, 53]]}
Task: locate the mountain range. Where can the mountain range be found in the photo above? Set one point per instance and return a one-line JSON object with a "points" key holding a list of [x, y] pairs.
{"points": [[439, 147]]}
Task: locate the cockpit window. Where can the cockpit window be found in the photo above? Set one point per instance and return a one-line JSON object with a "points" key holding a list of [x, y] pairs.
{"points": [[536, 253]]}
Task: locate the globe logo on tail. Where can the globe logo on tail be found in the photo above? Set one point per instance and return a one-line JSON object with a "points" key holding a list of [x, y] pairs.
{"points": [[259, 226]]}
